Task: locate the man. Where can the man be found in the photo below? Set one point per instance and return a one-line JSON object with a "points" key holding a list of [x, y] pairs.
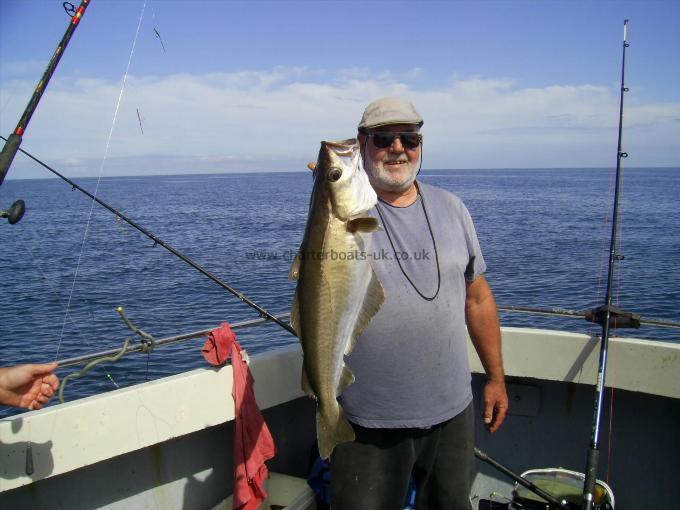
{"points": [[411, 404], [28, 386]]}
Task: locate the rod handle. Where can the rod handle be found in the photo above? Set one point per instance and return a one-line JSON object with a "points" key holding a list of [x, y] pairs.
{"points": [[7, 155], [590, 478]]}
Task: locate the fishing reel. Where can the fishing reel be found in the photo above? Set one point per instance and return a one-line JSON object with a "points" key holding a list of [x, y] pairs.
{"points": [[15, 212]]}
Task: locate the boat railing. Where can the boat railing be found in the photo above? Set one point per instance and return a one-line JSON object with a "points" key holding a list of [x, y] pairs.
{"points": [[79, 360]]}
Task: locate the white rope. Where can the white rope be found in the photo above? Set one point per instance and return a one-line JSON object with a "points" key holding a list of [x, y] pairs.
{"points": [[101, 170]]}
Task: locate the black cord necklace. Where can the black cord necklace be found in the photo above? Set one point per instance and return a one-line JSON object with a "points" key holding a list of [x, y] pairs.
{"points": [[436, 254]]}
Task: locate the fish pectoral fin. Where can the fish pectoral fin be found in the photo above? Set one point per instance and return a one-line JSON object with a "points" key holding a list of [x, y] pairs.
{"points": [[363, 224], [373, 300], [346, 378], [306, 386], [294, 272]]}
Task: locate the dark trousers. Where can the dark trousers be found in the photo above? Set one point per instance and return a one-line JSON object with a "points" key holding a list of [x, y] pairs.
{"points": [[373, 472]]}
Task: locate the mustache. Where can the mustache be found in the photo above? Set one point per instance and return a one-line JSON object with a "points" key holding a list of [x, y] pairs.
{"points": [[398, 159]]}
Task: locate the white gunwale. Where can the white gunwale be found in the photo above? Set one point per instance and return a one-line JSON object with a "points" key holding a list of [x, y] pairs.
{"points": [[96, 428]]}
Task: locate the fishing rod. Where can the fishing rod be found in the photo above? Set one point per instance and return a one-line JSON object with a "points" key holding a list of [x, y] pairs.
{"points": [[554, 502], [575, 314], [608, 316], [159, 241], [17, 209]]}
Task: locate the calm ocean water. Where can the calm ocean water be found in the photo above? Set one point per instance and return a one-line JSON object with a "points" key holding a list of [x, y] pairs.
{"points": [[544, 234]]}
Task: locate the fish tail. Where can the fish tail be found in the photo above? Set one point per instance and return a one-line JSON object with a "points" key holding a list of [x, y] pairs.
{"points": [[332, 428]]}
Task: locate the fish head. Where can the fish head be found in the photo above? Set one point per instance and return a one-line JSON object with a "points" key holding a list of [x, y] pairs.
{"points": [[341, 177]]}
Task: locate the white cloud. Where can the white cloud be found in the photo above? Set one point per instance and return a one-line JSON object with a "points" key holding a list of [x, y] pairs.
{"points": [[276, 118]]}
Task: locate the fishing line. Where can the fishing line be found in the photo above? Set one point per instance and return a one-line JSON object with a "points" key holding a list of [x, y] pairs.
{"points": [[604, 239], [79, 332], [101, 170], [158, 241], [619, 248]]}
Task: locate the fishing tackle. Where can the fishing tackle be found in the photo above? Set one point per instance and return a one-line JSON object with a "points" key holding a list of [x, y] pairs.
{"points": [[16, 211], [139, 118], [102, 359], [158, 241], [79, 360], [554, 502], [607, 315], [160, 39], [148, 341], [147, 346]]}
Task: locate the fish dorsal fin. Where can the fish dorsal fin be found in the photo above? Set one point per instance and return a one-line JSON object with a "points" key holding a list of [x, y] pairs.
{"points": [[364, 224], [294, 273], [373, 300]]}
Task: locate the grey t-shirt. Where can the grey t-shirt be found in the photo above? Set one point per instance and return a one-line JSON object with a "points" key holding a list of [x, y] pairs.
{"points": [[411, 363]]}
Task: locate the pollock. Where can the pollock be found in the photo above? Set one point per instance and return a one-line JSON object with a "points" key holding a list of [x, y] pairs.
{"points": [[337, 291]]}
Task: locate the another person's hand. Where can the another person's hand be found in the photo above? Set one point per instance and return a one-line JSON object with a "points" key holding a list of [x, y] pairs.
{"points": [[28, 386], [495, 404]]}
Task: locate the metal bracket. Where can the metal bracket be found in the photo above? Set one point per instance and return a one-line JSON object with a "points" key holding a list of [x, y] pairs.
{"points": [[617, 318]]}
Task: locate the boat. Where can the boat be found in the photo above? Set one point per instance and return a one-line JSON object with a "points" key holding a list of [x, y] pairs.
{"points": [[155, 445]]}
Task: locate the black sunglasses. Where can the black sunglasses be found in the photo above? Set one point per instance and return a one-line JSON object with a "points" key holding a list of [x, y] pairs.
{"points": [[384, 139]]}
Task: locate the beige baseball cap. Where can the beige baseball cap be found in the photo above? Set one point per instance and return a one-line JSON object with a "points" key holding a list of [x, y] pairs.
{"points": [[389, 110]]}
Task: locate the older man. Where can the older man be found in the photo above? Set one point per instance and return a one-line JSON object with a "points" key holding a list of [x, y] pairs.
{"points": [[411, 404]]}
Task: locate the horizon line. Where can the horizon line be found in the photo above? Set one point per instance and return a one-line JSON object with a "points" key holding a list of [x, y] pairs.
{"points": [[302, 171]]}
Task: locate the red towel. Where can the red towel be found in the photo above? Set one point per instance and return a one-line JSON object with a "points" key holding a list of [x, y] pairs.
{"points": [[253, 443]]}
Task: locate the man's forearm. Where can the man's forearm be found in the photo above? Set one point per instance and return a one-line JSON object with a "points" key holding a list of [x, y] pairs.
{"points": [[483, 325]]}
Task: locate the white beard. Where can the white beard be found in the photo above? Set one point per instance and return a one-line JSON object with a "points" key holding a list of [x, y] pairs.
{"points": [[382, 178]]}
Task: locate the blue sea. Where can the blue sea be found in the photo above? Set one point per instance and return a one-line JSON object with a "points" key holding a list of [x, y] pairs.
{"points": [[544, 233]]}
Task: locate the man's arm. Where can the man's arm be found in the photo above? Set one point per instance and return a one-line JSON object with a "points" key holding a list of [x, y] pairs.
{"points": [[483, 325]]}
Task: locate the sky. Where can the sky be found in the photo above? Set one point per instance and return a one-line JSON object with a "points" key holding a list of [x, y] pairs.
{"points": [[255, 86]]}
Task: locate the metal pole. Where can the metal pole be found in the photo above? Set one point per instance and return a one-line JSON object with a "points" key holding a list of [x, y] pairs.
{"points": [[80, 360]]}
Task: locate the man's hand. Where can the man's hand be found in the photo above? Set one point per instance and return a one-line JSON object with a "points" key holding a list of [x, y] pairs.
{"points": [[28, 386], [481, 317], [495, 404]]}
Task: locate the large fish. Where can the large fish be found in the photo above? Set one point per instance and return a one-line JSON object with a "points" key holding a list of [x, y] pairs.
{"points": [[337, 291]]}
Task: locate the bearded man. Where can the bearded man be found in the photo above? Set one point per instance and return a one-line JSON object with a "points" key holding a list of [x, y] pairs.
{"points": [[411, 403]]}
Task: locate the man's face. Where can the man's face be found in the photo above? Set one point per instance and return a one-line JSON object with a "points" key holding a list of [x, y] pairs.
{"points": [[392, 168]]}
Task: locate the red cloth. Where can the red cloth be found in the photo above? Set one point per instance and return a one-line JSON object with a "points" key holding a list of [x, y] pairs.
{"points": [[253, 443]]}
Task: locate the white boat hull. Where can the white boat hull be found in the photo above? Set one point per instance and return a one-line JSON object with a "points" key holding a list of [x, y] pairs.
{"points": [[168, 443]]}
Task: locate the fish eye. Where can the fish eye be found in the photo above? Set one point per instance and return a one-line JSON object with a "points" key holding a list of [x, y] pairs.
{"points": [[334, 174]]}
